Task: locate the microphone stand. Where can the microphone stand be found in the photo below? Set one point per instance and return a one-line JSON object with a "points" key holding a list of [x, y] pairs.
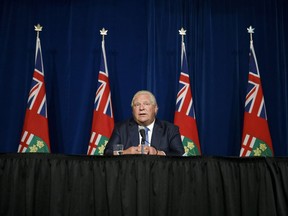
{"points": [[143, 136], [142, 145]]}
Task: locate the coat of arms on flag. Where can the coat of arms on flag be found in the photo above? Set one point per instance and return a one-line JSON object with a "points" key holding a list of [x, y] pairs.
{"points": [[185, 116], [35, 134], [103, 120], [256, 139]]}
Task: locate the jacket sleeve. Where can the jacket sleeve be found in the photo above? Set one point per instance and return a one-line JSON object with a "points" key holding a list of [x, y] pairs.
{"points": [[114, 139], [176, 147]]}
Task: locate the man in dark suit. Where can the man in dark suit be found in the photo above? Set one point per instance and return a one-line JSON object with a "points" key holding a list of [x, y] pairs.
{"points": [[162, 137]]}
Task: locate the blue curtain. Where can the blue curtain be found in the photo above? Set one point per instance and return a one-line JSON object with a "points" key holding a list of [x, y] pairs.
{"points": [[143, 52]]}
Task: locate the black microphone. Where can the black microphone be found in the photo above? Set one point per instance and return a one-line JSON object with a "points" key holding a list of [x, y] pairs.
{"points": [[143, 135]]}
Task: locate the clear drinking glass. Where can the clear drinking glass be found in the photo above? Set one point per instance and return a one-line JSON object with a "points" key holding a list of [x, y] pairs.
{"points": [[118, 149]]}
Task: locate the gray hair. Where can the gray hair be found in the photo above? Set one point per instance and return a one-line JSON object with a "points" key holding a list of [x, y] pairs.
{"points": [[152, 97]]}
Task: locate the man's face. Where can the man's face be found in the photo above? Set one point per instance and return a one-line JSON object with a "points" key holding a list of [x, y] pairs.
{"points": [[144, 111]]}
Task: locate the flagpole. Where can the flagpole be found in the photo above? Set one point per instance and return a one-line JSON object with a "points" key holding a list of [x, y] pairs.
{"points": [[38, 29], [103, 32], [251, 32]]}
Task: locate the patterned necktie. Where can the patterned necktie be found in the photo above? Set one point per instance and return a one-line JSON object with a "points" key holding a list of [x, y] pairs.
{"points": [[147, 137]]}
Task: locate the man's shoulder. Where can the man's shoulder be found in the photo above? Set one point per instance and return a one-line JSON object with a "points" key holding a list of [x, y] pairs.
{"points": [[125, 123], [164, 123]]}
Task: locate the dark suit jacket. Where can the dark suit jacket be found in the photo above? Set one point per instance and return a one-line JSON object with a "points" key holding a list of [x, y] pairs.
{"points": [[165, 137]]}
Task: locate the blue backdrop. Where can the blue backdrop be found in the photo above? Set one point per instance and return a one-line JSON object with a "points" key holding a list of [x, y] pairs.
{"points": [[143, 52]]}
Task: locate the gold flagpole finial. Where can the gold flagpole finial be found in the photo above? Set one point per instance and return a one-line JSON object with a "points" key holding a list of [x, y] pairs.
{"points": [[250, 31], [182, 32], [103, 32], [38, 28]]}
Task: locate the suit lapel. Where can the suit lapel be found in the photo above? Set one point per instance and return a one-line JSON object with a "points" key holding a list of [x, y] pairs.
{"points": [[156, 135], [133, 133]]}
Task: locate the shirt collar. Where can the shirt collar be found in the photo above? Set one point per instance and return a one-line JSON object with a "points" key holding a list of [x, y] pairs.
{"points": [[151, 126]]}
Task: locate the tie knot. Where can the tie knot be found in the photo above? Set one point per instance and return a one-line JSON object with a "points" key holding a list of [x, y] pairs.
{"points": [[146, 129]]}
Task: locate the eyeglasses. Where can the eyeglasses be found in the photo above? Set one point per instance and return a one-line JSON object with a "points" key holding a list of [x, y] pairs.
{"points": [[145, 104]]}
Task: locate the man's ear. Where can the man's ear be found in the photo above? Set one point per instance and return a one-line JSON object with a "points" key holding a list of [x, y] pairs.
{"points": [[156, 110]]}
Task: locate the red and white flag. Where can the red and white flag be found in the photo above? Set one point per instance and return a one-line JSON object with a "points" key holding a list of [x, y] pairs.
{"points": [[256, 139], [103, 120], [35, 134], [185, 117]]}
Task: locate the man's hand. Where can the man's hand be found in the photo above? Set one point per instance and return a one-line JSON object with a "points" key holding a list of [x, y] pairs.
{"points": [[132, 150], [148, 150]]}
